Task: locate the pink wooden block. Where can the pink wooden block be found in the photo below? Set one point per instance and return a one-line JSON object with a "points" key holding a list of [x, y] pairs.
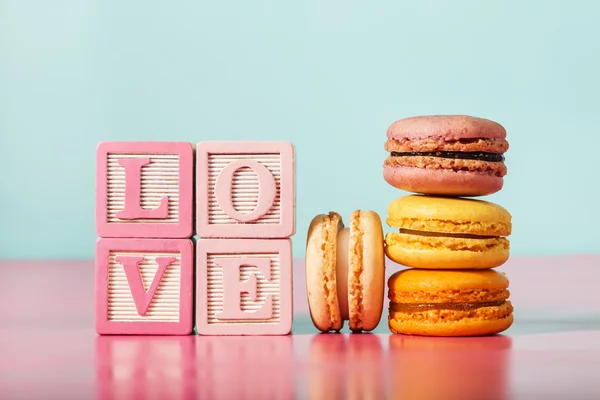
{"points": [[245, 190], [244, 286], [144, 286], [144, 189]]}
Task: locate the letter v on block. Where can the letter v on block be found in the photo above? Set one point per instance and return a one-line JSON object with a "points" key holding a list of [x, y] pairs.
{"points": [[141, 297], [124, 268]]}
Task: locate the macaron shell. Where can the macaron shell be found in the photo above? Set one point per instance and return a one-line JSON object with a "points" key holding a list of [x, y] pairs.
{"points": [[442, 182], [367, 265], [320, 263], [434, 281], [450, 215], [450, 127], [467, 327], [434, 257]]}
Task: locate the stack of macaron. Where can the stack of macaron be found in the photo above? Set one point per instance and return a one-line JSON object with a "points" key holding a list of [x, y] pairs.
{"points": [[450, 241]]}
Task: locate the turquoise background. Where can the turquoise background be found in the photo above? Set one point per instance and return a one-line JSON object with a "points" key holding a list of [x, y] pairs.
{"points": [[330, 76]]}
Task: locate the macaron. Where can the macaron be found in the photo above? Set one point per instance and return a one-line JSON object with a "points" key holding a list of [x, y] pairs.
{"points": [[452, 155], [447, 233], [449, 302], [345, 272]]}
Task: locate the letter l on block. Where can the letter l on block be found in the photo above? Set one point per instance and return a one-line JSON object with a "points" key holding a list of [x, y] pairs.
{"points": [[145, 190], [133, 192]]}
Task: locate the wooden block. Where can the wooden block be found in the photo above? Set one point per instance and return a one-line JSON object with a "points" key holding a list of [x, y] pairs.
{"points": [[244, 286], [262, 367], [144, 286], [145, 367], [245, 190], [144, 189]]}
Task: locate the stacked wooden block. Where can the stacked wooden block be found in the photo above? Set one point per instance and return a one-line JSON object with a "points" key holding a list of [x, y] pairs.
{"points": [[153, 276]]}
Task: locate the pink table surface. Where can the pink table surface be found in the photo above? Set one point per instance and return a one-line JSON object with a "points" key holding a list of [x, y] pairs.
{"points": [[48, 348]]}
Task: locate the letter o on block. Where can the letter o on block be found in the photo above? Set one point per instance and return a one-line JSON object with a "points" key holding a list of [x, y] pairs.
{"points": [[245, 190], [266, 190]]}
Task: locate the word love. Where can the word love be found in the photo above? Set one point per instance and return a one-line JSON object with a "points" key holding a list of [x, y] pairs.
{"points": [[153, 198]]}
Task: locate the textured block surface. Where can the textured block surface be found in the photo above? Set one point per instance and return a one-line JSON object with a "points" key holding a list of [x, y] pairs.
{"points": [[144, 189], [144, 286], [245, 189], [243, 287]]}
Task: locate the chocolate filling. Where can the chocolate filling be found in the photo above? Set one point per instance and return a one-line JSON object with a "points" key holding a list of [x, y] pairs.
{"points": [[446, 234], [410, 307], [465, 155]]}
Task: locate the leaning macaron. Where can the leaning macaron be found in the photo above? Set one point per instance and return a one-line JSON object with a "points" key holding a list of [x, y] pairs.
{"points": [[345, 272], [447, 233], [449, 303], [454, 155]]}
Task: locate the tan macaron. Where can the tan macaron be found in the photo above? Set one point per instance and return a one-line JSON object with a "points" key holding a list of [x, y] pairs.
{"points": [[345, 271]]}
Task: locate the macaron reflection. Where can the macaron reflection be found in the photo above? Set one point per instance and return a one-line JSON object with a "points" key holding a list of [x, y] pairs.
{"points": [[346, 367], [449, 368]]}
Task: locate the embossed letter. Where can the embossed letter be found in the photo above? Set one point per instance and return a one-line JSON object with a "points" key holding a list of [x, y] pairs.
{"points": [[266, 186], [141, 297], [233, 288], [133, 192]]}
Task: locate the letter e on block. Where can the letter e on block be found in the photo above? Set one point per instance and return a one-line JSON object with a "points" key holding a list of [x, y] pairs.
{"points": [[244, 287], [245, 190], [144, 189], [144, 286]]}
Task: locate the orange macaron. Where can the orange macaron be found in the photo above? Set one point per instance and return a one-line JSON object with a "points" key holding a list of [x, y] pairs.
{"points": [[345, 271], [449, 302]]}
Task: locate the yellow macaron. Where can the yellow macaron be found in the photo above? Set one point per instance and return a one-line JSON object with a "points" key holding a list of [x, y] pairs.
{"points": [[345, 271], [447, 233], [449, 302]]}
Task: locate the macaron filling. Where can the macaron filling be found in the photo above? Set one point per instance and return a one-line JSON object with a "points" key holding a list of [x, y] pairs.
{"points": [[412, 307], [463, 155], [439, 315], [438, 143], [341, 267], [446, 234], [449, 295]]}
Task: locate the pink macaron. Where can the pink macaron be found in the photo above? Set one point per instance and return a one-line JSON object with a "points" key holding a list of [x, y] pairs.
{"points": [[447, 155]]}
